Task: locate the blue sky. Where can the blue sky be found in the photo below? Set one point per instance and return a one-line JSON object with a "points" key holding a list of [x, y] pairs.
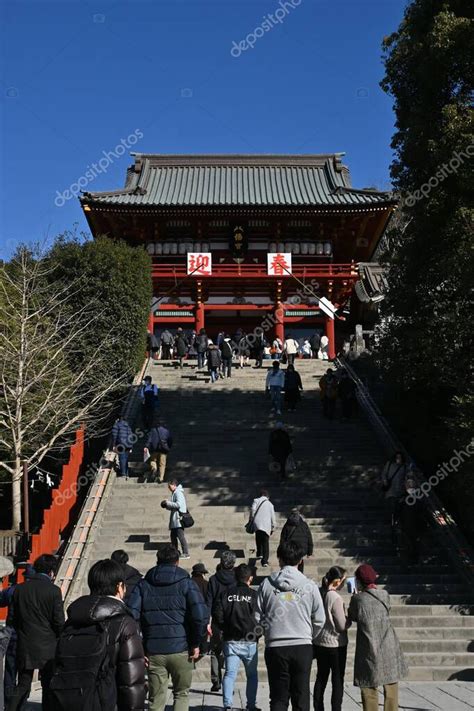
{"points": [[80, 76]]}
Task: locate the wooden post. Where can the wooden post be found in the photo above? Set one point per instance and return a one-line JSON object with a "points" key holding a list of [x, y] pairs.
{"points": [[26, 502], [331, 336]]}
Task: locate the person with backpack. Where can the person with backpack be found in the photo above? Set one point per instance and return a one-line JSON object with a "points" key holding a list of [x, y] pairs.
{"points": [[166, 343], [173, 618], [293, 387], [122, 443], [227, 351], [37, 615], [100, 662], [274, 383], [219, 583], [291, 613], [149, 398], [180, 346], [244, 351], [131, 575], [259, 348], [177, 506], [297, 530], [157, 447], [330, 647], [235, 615], [328, 393], [280, 447], [201, 345], [263, 521], [214, 362], [379, 660]]}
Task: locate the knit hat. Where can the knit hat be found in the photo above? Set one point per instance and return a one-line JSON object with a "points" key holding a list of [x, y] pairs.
{"points": [[366, 574], [228, 560]]}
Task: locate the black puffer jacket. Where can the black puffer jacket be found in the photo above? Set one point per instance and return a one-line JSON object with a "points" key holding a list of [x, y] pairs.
{"points": [[297, 530], [128, 657]]}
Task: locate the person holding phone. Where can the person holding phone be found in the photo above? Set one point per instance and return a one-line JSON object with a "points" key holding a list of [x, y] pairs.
{"points": [[330, 648]]}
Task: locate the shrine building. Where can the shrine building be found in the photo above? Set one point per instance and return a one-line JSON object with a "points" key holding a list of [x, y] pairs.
{"points": [[278, 242]]}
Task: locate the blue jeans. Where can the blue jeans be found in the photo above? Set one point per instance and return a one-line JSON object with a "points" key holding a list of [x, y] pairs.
{"points": [[275, 394], [234, 653], [123, 462]]}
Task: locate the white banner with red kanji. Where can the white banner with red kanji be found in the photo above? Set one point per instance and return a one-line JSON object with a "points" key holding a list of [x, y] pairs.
{"points": [[279, 263], [200, 263]]}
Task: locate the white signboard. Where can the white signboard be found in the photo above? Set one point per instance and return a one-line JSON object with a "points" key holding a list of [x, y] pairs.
{"points": [[279, 263], [200, 263], [327, 307]]}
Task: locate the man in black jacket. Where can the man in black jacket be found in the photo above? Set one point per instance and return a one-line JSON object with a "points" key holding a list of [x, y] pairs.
{"points": [[123, 686], [297, 530], [173, 618], [131, 575], [37, 615], [218, 584], [234, 614]]}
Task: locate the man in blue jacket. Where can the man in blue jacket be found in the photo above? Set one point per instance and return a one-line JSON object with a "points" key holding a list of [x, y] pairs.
{"points": [[173, 618]]}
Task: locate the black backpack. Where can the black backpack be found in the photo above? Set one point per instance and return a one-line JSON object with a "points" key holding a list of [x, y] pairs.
{"points": [[84, 672]]}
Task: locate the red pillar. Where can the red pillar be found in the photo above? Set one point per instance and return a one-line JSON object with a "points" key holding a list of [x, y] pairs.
{"points": [[151, 322], [280, 321], [331, 336], [199, 316]]}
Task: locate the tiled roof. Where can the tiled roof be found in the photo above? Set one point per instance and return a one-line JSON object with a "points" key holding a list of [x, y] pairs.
{"points": [[240, 180]]}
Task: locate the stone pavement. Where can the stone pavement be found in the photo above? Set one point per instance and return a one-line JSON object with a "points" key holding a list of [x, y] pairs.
{"points": [[414, 696]]}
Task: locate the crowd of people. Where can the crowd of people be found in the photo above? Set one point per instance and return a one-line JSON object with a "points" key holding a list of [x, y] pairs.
{"points": [[132, 635], [218, 356]]}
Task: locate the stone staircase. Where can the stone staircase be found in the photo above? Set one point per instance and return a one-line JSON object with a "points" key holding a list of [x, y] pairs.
{"points": [[220, 455]]}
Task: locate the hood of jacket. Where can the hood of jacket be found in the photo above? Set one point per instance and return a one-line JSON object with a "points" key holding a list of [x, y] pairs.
{"points": [[288, 578], [165, 575], [89, 609], [294, 519], [225, 577]]}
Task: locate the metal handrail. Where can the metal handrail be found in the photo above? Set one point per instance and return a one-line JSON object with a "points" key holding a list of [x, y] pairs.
{"points": [[444, 525], [80, 535]]}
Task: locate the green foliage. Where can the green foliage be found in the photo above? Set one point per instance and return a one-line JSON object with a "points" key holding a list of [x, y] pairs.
{"points": [[427, 327], [116, 279]]}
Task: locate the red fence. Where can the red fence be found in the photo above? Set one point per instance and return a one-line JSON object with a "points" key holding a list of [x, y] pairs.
{"points": [[56, 518]]}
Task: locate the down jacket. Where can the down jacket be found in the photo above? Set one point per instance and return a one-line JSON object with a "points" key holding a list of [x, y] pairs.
{"points": [[297, 530], [170, 609], [128, 657]]}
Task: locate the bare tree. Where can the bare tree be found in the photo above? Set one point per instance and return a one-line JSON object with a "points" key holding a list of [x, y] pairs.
{"points": [[49, 388]]}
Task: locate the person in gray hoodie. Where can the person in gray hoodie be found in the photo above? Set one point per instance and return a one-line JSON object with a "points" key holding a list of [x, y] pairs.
{"points": [[290, 613]]}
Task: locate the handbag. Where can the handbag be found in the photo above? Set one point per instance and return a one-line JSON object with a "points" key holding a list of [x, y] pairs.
{"points": [[186, 519], [250, 525]]}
